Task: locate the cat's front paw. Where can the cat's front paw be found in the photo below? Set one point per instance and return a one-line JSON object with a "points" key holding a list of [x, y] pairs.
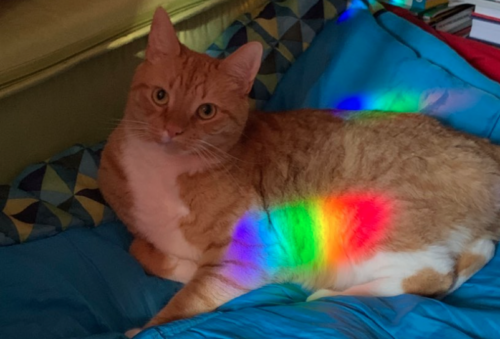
{"points": [[133, 332], [322, 294]]}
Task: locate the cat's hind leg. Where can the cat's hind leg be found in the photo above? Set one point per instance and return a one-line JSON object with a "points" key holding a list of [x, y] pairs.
{"points": [[469, 262], [380, 287], [429, 272], [433, 279]]}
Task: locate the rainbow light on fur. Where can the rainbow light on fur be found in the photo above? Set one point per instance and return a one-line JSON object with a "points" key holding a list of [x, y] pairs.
{"points": [[309, 235], [392, 101]]}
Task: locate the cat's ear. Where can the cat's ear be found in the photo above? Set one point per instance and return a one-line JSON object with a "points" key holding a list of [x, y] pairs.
{"points": [[245, 63], [162, 39]]}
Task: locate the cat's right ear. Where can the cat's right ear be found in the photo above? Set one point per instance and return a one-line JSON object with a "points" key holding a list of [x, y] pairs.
{"points": [[162, 39]]}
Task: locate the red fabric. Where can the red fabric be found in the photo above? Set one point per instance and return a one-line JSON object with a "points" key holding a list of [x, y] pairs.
{"points": [[483, 57]]}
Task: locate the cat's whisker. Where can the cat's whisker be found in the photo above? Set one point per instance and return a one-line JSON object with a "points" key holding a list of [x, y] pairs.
{"points": [[223, 156], [134, 126], [227, 170], [116, 121], [208, 156], [130, 120], [134, 134], [213, 155], [221, 151], [206, 161], [138, 129], [113, 123], [136, 122]]}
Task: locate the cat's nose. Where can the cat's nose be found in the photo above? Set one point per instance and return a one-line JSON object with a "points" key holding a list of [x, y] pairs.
{"points": [[173, 131], [169, 133]]}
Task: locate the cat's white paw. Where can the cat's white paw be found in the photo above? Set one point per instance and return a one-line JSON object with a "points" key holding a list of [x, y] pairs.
{"points": [[133, 332], [322, 294]]}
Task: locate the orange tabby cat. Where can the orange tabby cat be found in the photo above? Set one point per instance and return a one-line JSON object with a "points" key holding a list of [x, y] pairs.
{"points": [[189, 160]]}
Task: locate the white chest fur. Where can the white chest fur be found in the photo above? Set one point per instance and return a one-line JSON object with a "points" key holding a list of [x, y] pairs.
{"points": [[157, 206]]}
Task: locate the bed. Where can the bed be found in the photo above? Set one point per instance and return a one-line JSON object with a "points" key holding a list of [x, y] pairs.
{"points": [[66, 272]]}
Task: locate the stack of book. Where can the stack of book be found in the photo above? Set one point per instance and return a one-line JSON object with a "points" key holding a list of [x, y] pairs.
{"points": [[440, 14], [452, 19], [485, 21]]}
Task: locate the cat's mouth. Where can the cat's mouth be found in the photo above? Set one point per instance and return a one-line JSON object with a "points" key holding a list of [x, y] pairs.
{"points": [[175, 147]]}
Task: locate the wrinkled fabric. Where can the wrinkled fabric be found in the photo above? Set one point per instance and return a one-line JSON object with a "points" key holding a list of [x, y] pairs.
{"points": [[386, 63], [77, 284]]}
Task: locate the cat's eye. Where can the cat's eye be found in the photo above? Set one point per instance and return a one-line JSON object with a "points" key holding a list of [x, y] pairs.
{"points": [[160, 96], [207, 111]]}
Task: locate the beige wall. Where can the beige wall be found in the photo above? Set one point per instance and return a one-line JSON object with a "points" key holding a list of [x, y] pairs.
{"points": [[77, 106]]}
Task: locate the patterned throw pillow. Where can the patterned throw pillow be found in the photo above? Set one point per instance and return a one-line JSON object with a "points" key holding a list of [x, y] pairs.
{"points": [[62, 193], [285, 28], [53, 196]]}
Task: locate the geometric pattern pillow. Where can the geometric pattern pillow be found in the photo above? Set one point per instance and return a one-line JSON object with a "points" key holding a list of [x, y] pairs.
{"points": [[62, 192], [285, 28], [52, 196]]}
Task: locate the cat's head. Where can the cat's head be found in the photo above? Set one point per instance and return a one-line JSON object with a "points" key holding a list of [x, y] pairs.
{"points": [[187, 101]]}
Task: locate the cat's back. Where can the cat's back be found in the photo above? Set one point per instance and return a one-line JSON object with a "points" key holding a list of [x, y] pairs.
{"points": [[407, 136], [442, 178]]}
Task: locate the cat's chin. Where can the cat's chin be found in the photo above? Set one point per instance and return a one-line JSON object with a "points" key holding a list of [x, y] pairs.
{"points": [[176, 152], [172, 149]]}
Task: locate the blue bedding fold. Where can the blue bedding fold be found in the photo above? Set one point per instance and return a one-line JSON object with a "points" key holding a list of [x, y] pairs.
{"points": [[77, 284], [386, 63], [83, 284]]}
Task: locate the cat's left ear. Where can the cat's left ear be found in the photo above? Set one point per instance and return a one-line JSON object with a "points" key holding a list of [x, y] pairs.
{"points": [[245, 63], [162, 39]]}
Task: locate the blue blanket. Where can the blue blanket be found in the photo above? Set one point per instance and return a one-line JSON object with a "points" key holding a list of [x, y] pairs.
{"points": [[83, 284], [385, 63]]}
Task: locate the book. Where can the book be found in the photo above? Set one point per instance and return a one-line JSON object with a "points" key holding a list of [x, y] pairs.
{"points": [[486, 21], [463, 32], [485, 31], [441, 12], [492, 4], [487, 11], [456, 22]]}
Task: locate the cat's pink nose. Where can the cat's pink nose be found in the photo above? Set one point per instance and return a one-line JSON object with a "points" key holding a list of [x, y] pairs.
{"points": [[173, 130]]}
